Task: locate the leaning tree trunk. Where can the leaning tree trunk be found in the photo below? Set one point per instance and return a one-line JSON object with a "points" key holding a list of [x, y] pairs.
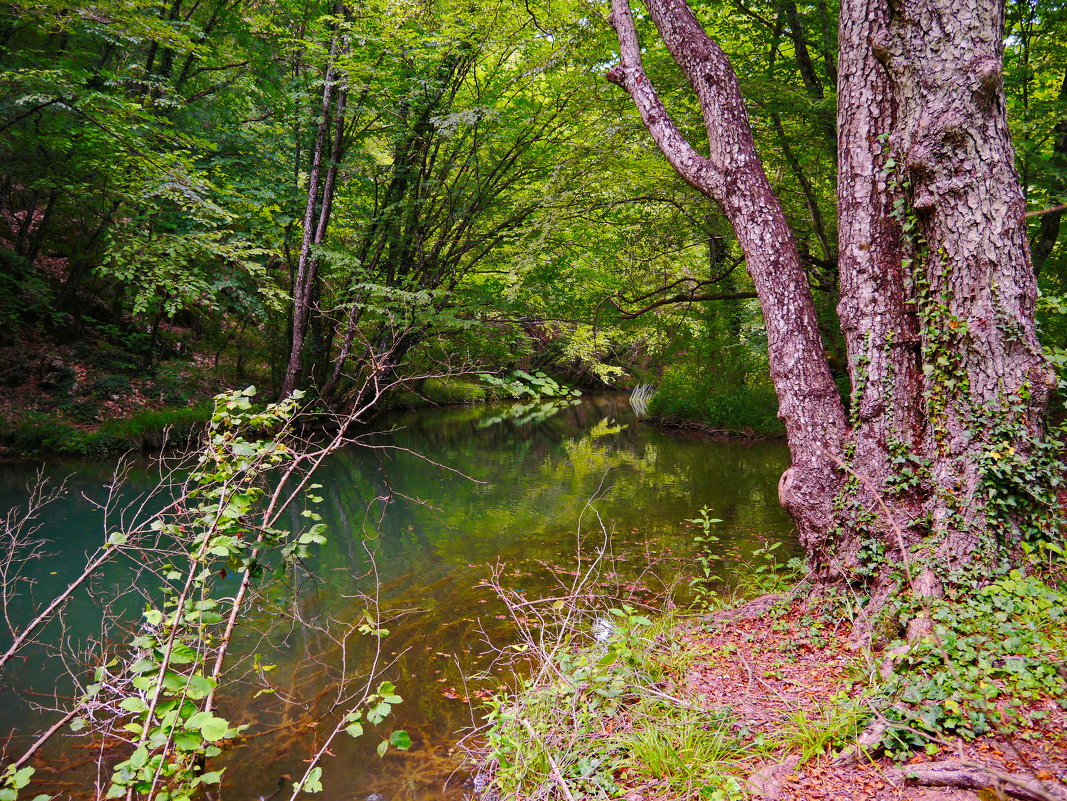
{"points": [[949, 384], [733, 177]]}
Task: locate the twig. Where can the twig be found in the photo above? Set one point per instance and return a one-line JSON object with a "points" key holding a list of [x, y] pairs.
{"points": [[554, 772]]}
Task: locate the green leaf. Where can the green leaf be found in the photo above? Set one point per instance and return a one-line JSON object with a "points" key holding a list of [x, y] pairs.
{"points": [[199, 687], [188, 740], [139, 758], [383, 746], [215, 729], [116, 538], [211, 777], [182, 654], [312, 783], [400, 739], [133, 704], [153, 616]]}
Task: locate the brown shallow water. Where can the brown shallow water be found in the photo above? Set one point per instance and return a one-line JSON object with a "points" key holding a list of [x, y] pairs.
{"points": [[529, 495]]}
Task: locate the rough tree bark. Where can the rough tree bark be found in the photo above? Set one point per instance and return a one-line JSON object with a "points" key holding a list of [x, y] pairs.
{"points": [[973, 282], [937, 290], [733, 177]]}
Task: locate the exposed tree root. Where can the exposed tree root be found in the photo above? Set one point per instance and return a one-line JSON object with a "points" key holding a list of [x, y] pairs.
{"points": [[974, 776]]}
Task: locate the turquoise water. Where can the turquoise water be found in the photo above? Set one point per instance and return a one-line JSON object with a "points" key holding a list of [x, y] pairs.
{"points": [[419, 518]]}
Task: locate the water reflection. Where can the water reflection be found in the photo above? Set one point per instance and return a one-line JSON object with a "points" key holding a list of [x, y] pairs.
{"points": [[417, 517]]}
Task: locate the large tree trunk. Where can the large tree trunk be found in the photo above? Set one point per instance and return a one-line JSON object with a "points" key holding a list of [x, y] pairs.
{"points": [[875, 309], [986, 381], [937, 291]]}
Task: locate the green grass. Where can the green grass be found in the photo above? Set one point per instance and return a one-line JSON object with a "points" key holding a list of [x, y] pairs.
{"points": [[743, 409], [41, 434], [607, 715], [454, 390]]}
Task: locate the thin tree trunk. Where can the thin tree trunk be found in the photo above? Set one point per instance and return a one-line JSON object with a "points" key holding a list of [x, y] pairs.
{"points": [[307, 264]]}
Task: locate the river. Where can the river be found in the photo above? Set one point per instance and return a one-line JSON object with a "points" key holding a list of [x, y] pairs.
{"points": [[421, 521]]}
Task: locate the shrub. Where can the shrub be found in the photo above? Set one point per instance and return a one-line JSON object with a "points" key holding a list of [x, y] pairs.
{"points": [[40, 434], [687, 395], [112, 385], [82, 411]]}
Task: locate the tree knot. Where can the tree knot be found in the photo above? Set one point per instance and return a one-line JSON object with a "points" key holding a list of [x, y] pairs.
{"points": [[617, 75]]}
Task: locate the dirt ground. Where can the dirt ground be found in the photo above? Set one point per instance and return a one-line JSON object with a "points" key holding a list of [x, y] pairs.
{"points": [[767, 668]]}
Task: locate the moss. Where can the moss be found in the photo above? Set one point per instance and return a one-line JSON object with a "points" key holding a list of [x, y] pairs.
{"points": [[149, 429], [453, 390]]}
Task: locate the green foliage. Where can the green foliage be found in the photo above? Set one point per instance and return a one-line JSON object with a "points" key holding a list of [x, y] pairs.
{"points": [[835, 726], [169, 661], [989, 655], [452, 390], [704, 594], [38, 433], [577, 713], [12, 780], [520, 384], [687, 393], [1022, 473], [758, 574], [112, 385]]}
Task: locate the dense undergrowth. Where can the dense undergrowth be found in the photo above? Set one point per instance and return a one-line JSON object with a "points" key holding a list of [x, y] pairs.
{"points": [[39, 433], [684, 395], [613, 704]]}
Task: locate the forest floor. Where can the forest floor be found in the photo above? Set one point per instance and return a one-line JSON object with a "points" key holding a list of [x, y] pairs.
{"points": [[775, 700], [88, 398], [768, 670]]}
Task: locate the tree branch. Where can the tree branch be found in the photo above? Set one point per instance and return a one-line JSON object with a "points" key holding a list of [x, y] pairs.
{"points": [[630, 75], [684, 297]]}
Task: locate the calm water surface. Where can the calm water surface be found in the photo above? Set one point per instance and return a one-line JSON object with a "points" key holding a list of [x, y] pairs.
{"points": [[421, 520]]}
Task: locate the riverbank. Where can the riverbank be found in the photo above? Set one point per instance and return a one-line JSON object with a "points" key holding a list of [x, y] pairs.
{"points": [[734, 411], [768, 701], [58, 404]]}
